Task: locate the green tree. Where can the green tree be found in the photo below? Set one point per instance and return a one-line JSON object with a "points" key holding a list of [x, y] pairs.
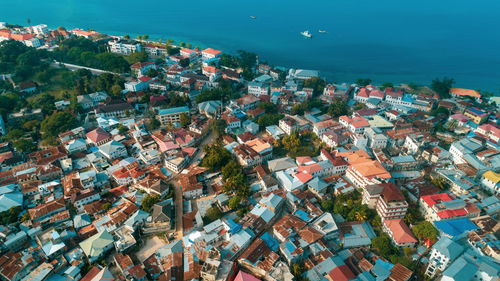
{"points": [[148, 202], [442, 86], [269, 119], [218, 126], [57, 123], [106, 206], [212, 214], [363, 81], [185, 120], [126, 37], [234, 202], [145, 37], [425, 230], [387, 85], [154, 124], [383, 245], [152, 72], [116, 91], [137, 57], [122, 129], [24, 145], [317, 84], [216, 157], [338, 108], [268, 107], [173, 51]]}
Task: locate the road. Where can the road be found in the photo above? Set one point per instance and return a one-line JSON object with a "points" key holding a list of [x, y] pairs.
{"points": [[178, 190], [76, 67]]}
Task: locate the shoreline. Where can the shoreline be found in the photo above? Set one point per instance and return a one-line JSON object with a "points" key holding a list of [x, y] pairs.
{"points": [[338, 74]]}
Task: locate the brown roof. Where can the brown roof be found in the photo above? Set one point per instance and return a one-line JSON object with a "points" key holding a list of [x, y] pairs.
{"points": [[309, 234], [400, 273], [123, 261], [98, 135], [288, 224], [259, 254], [392, 193], [43, 209]]}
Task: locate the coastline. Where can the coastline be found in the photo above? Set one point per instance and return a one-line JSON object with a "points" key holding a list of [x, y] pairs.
{"points": [[336, 73]]}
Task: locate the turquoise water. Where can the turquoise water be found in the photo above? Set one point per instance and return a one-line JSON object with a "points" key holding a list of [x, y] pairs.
{"points": [[385, 40]]}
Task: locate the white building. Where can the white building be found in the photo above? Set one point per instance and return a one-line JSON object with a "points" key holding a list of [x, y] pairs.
{"points": [[443, 253], [124, 47]]}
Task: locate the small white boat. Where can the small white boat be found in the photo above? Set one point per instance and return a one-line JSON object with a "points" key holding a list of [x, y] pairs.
{"points": [[322, 31], [306, 34], [253, 17]]}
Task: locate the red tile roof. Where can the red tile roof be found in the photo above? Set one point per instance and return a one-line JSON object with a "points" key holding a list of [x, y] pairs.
{"points": [[401, 233], [341, 273]]}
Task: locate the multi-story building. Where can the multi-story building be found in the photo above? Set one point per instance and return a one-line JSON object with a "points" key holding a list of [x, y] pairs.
{"points": [[257, 88], [477, 115], [442, 206], [210, 54], [171, 115], [124, 47], [391, 203], [491, 181], [443, 253]]}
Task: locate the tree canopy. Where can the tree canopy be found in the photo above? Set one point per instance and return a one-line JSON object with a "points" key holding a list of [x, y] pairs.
{"points": [[216, 157], [442, 86], [57, 123], [425, 230], [383, 245], [317, 84]]}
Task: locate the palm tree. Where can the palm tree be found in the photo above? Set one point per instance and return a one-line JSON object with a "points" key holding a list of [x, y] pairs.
{"points": [[139, 37], [360, 216], [126, 37], [145, 37]]}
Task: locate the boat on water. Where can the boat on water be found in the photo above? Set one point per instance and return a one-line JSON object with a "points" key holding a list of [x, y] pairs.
{"points": [[306, 34], [322, 31], [253, 17]]}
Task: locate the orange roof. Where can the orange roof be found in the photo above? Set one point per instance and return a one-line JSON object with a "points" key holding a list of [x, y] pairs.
{"points": [[355, 156], [211, 51], [401, 233], [371, 169], [210, 69], [258, 145], [465, 92], [304, 177]]}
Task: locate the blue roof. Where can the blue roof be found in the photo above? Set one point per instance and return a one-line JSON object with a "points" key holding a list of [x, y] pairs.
{"points": [[233, 227], [407, 98], [448, 247], [303, 215], [461, 269], [476, 111], [455, 227], [403, 159], [173, 110], [270, 241]]}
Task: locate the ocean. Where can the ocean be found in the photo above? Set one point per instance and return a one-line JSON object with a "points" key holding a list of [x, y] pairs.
{"points": [[386, 40]]}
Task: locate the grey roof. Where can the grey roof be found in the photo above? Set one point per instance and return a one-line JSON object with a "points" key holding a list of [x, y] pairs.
{"points": [[281, 164], [81, 220], [109, 147], [9, 200], [163, 211], [211, 106], [174, 247], [448, 247]]}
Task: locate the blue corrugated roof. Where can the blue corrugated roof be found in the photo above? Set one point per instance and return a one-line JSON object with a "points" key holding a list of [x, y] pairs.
{"points": [[173, 110], [455, 227]]}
